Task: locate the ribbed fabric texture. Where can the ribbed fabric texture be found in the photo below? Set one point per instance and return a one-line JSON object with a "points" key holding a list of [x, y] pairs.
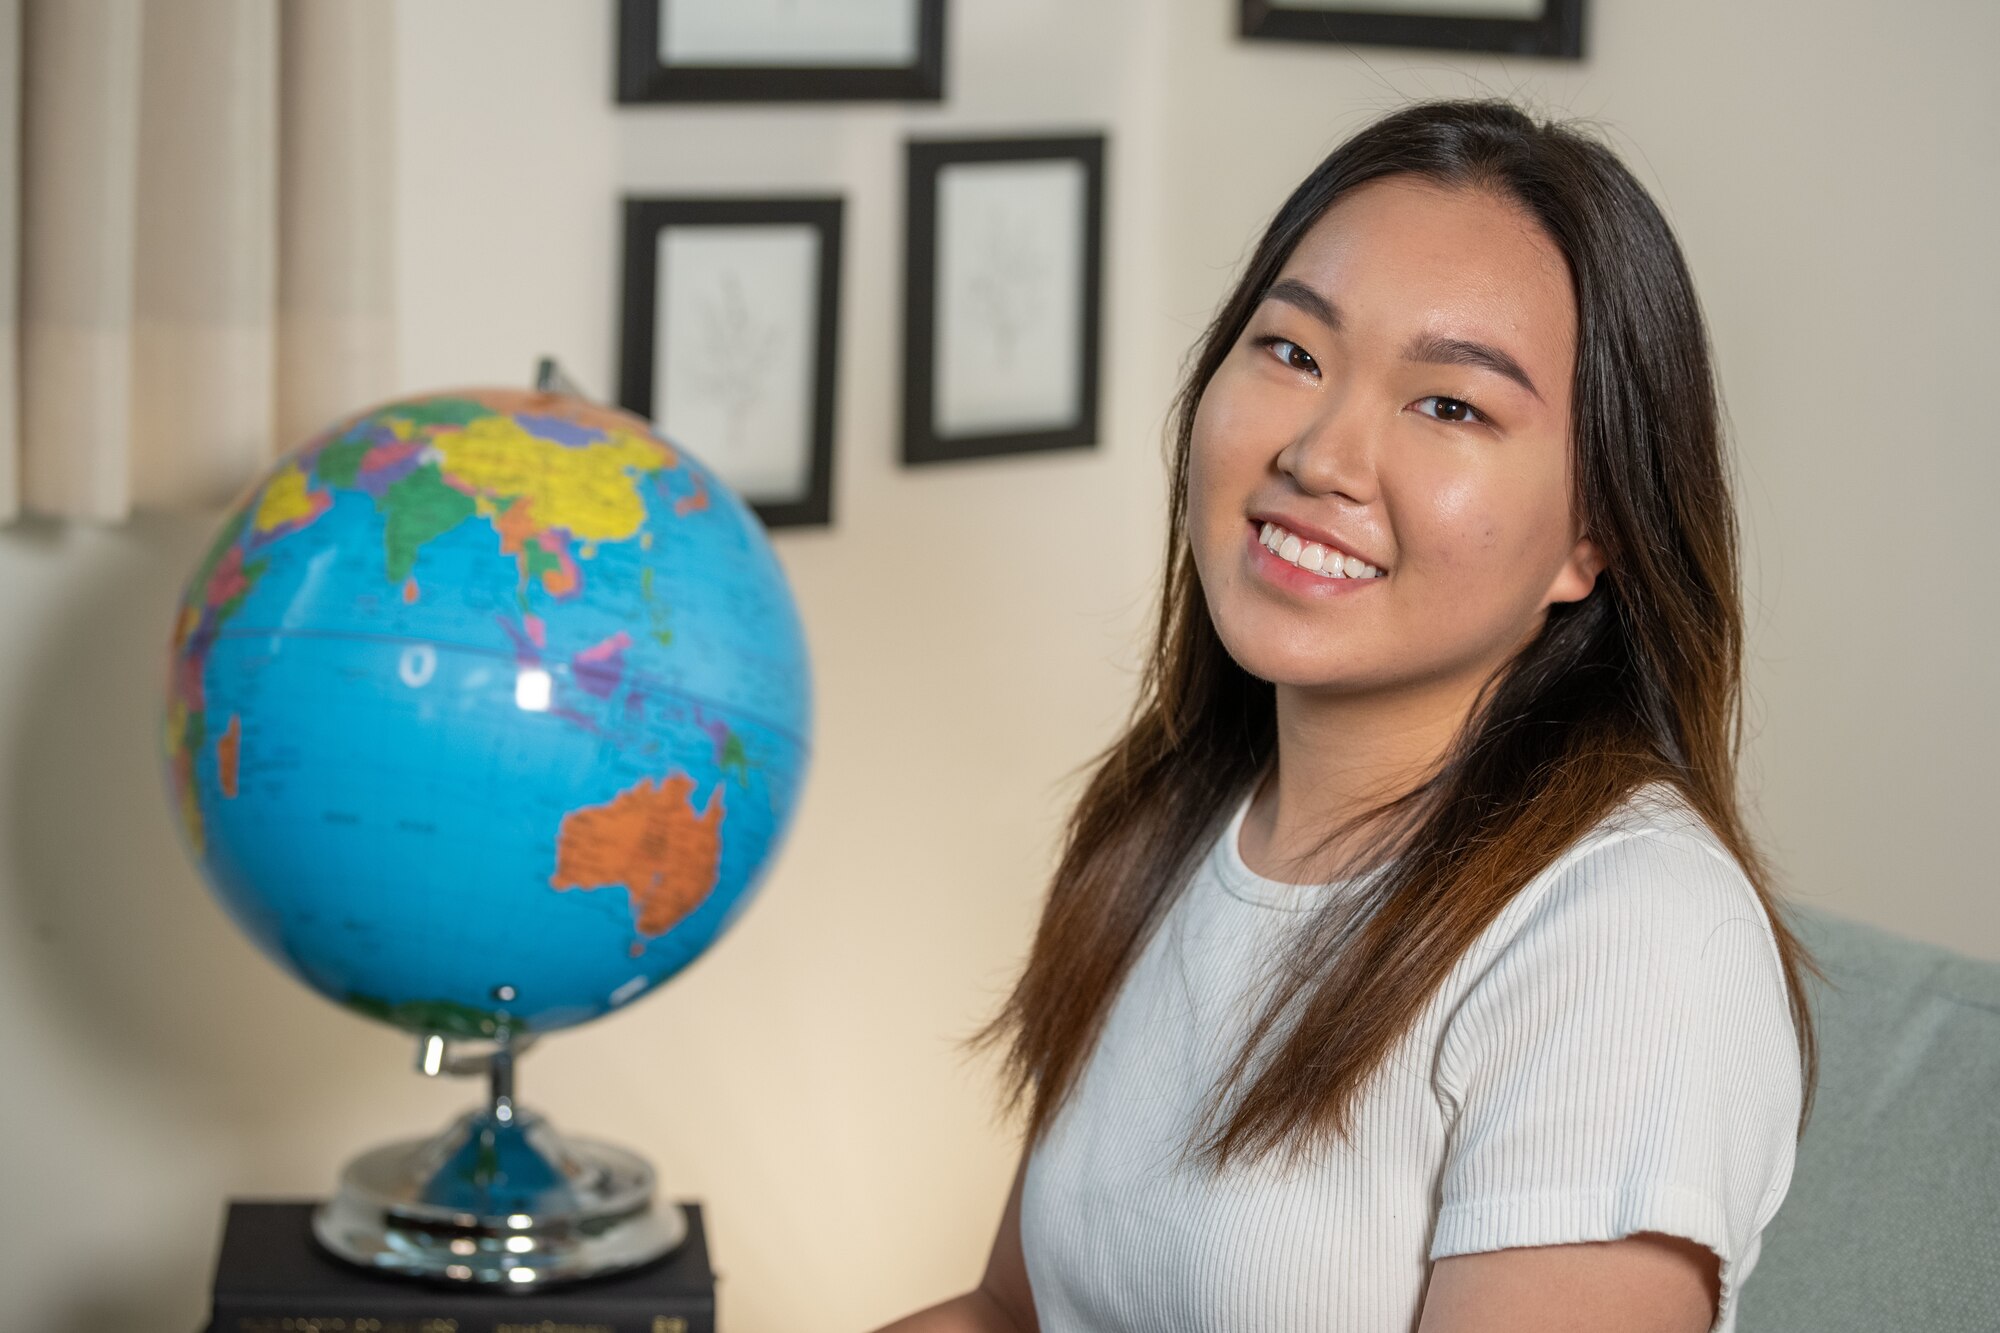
{"points": [[1615, 1054]]}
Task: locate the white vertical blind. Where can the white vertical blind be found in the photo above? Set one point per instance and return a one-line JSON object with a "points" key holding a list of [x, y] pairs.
{"points": [[204, 243], [336, 280], [203, 340], [79, 183]]}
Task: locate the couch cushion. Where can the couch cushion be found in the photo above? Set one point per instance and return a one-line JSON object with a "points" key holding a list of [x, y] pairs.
{"points": [[1893, 1217]]}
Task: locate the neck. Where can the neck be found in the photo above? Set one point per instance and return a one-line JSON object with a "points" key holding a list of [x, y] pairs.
{"points": [[1339, 752]]}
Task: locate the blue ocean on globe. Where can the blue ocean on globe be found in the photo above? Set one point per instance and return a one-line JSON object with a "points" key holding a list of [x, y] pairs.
{"points": [[487, 711]]}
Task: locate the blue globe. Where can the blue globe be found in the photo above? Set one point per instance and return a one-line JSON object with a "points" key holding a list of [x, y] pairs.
{"points": [[487, 711]]}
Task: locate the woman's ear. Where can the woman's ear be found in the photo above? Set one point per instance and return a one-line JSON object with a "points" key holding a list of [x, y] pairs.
{"points": [[1579, 573]]}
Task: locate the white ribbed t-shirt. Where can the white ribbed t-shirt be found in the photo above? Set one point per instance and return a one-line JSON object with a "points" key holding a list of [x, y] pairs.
{"points": [[1615, 1054]]}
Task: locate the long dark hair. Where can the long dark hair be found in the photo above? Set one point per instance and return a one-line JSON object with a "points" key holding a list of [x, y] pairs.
{"points": [[1639, 681]]}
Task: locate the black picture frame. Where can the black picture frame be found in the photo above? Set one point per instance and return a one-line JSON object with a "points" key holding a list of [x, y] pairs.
{"points": [[923, 442], [1557, 34], [642, 78], [645, 217]]}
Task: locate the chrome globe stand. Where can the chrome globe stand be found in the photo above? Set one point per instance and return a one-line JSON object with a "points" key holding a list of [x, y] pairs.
{"points": [[499, 1199]]}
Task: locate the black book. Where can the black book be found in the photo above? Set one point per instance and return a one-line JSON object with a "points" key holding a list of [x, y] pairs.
{"points": [[272, 1277]]}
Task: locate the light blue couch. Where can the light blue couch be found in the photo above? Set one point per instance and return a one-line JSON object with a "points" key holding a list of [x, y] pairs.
{"points": [[1892, 1224]]}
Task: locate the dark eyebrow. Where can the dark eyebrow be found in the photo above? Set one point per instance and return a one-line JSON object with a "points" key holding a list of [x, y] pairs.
{"points": [[1430, 348], [1438, 351], [1301, 297]]}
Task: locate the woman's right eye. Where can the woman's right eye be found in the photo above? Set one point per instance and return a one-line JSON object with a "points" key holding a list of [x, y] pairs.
{"points": [[1289, 352]]}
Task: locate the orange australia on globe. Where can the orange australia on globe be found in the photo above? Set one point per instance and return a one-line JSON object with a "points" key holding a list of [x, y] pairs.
{"points": [[650, 840]]}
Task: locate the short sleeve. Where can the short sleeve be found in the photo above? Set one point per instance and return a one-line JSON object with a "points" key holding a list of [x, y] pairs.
{"points": [[1624, 1061]]}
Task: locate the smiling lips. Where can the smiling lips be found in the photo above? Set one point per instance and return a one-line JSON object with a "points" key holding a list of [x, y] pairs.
{"points": [[1314, 558]]}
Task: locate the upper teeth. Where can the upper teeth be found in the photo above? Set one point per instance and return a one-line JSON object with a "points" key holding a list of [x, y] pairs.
{"points": [[1321, 560]]}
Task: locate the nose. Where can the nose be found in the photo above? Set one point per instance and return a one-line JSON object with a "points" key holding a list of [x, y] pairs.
{"points": [[1334, 450]]}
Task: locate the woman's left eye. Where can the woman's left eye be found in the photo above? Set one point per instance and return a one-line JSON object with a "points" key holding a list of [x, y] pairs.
{"points": [[1454, 410]]}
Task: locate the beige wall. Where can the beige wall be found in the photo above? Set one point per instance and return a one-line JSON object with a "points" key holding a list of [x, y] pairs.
{"points": [[974, 627]]}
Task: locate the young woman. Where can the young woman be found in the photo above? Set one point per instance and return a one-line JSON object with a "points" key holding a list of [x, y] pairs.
{"points": [[1408, 965]]}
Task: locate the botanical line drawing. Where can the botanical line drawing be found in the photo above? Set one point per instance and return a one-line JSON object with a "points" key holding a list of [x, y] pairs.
{"points": [[730, 365], [1007, 285]]}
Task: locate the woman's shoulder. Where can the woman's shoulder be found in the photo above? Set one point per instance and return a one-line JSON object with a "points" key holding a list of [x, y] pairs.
{"points": [[1650, 925], [1651, 874], [1656, 809], [1659, 834]]}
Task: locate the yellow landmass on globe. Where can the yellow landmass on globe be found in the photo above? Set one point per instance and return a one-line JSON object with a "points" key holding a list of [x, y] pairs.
{"points": [[649, 839], [289, 501], [587, 491]]}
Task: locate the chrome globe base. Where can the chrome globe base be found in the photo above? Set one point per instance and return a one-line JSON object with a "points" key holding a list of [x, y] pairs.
{"points": [[498, 1200]]}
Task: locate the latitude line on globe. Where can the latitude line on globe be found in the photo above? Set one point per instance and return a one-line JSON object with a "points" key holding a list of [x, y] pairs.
{"points": [[639, 678]]}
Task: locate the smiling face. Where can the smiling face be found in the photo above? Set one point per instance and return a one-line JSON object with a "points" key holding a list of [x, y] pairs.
{"points": [[1402, 390]]}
